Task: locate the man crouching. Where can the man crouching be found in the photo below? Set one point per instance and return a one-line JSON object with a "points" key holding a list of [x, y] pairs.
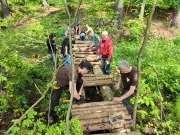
{"points": [[64, 80]]}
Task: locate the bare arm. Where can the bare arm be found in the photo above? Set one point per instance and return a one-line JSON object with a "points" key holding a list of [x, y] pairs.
{"points": [[129, 93], [76, 95]]}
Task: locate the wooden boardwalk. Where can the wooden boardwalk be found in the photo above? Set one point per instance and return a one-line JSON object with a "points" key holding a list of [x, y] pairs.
{"points": [[95, 116]]}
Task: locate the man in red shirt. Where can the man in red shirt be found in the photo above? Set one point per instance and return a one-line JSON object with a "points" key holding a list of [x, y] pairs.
{"points": [[105, 52]]}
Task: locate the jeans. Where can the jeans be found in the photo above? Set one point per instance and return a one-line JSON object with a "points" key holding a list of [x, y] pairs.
{"points": [[105, 67], [51, 58], [67, 60], [126, 102]]}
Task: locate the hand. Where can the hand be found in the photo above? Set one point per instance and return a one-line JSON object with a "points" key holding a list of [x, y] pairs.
{"points": [[117, 99], [77, 96], [99, 57], [107, 62]]}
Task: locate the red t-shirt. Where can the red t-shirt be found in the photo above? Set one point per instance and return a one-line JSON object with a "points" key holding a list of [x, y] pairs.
{"points": [[106, 48]]}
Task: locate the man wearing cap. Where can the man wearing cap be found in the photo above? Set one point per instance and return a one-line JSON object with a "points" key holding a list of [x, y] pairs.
{"points": [[128, 77], [105, 51], [64, 80]]}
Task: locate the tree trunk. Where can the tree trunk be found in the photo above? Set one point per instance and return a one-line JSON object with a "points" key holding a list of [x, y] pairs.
{"points": [[141, 15], [119, 8], [140, 57], [5, 9]]}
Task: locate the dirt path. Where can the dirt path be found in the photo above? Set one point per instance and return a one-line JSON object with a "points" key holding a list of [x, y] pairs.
{"points": [[159, 30], [30, 19]]}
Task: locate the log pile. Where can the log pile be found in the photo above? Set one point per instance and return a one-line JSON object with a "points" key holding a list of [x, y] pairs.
{"points": [[95, 116]]}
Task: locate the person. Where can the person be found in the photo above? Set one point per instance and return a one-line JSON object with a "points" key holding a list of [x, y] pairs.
{"points": [[65, 50], [82, 35], [76, 27], [95, 39], [64, 79], [89, 28], [105, 51], [128, 77], [51, 44], [66, 33]]}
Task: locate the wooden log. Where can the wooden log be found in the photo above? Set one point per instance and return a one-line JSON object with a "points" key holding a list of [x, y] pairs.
{"points": [[96, 78], [127, 132], [84, 56], [96, 108], [82, 45], [74, 53], [74, 112], [95, 75], [88, 58], [103, 126], [82, 49], [93, 63], [106, 92], [88, 83], [99, 115], [93, 104], [83, 42], [96, 121]]}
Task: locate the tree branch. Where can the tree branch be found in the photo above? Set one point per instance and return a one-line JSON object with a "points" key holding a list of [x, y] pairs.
{"points": [[41, 98], [38, 88], [140, 57], [70, 43]]}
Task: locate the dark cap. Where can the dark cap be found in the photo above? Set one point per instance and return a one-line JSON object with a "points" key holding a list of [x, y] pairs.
{"points": [[85, 64]]}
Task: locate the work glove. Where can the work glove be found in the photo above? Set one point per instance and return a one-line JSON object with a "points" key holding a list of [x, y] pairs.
{"points": [[107, 62]]}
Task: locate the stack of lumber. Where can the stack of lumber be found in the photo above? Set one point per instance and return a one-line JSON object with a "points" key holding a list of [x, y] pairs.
{"points": [[82, 51], [95, 116]]}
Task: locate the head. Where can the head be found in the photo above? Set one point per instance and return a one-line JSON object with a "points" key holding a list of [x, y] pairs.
{"points": [[89, 33], [84, 67], [124, 66], [52, 36], [104, 35]]}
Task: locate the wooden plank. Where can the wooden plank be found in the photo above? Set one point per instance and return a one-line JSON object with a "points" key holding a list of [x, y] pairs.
{"points": [[96, 115], [96, 78], [88, 83], [104, 126], [93, 104], [96, 108], [83, 42], [111, 109]]}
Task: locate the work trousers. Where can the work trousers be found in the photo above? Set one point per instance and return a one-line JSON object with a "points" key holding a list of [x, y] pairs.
{"points": [[56, 95], [126, 102]]}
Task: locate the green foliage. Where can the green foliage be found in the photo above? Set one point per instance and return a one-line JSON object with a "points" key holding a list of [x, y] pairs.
{"points": [[4, 105], [163, 4], [75, 128], [135, 27], [177, 108]]}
